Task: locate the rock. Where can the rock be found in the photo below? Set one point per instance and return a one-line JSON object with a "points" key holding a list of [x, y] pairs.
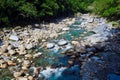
{"points": [[37, 25], [10, 47], [62, 42], [80, 49], [29, 56], [17, 74], [71, 62], [50, 45], [22, 78], [26, 63], [33, 71], [75, 43], [10, 63], [22, 52], [14, 37], [30, 78], [29, 46], [12, 52], [37, 54], [3, 66], [66, 29], [90, 20], [4, 48]]}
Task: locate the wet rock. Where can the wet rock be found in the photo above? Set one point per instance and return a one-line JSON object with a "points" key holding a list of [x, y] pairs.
{"points": [[33, 71], [62, 42], [50, 45], [14, 37]]}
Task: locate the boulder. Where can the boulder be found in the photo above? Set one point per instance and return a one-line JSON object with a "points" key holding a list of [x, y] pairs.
{"points": [[62, 42], [14, 37], [50, 45], [21, 78], [90, 20]]}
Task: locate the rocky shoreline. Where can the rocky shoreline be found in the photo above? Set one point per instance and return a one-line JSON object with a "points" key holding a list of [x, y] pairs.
{"points": [[18, 51]]}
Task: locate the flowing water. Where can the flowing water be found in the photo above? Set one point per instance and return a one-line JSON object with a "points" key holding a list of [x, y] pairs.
{"points": [[53, 57]]}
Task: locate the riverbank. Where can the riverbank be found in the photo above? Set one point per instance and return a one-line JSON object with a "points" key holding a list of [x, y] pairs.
{"points": [[26, 52]]}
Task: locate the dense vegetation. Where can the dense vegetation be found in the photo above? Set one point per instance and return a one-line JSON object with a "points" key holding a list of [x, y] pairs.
{"points": [[16, 11]]}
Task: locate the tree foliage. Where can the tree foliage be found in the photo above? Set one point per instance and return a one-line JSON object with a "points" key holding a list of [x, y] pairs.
{"points": [[12, 11]]}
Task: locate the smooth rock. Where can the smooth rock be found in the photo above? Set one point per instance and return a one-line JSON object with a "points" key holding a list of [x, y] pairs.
{"points": [[50, 45], [14, 37], [90, 20], [22, 78], [17, 74], [62, 42], [66, 29], [12, 52], [29, 46], [37, 54], [30, 78], [10, 63], [71, 62], [75, 43], [29, 56], [26, 63], [3, 65]]}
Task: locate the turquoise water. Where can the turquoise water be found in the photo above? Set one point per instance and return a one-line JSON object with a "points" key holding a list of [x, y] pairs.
{"points": [[55, 58]]}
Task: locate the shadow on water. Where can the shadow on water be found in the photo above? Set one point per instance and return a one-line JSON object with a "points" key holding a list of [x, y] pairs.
{"points": [[106, 65]]}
